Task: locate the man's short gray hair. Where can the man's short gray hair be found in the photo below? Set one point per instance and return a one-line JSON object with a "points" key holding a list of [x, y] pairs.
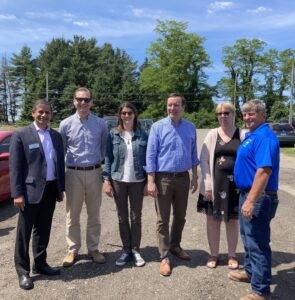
{"points": [[253, 105]]}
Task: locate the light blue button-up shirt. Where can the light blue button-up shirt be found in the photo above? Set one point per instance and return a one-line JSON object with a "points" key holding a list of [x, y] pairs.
{"points": [[84, 140], [172, 147]]}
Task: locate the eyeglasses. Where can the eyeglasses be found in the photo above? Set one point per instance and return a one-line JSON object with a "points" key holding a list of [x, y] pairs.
{"points": [[80, 99], [127, 113], [224, 113]]}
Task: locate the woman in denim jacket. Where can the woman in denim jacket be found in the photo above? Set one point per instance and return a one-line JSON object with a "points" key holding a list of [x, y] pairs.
{"points": [[124, 177]]}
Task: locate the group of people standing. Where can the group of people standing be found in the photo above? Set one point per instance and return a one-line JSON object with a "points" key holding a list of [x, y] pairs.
{"points": [[234, 165]]}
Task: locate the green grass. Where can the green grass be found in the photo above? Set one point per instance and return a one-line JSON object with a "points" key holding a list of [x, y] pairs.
{"points": [[290, 151], [8, 127]]}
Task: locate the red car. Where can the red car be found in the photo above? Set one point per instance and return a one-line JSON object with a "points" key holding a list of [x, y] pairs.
{"points": [[5, 136]]}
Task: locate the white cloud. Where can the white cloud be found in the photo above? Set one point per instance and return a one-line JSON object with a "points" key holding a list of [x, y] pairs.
{"points": [[137, 12], [81, 24], [218, 6], [259, 10], [54, 15], [7, 17], [149, 13]]}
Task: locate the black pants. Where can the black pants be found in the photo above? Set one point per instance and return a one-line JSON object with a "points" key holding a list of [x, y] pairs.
{"points": [[36, 218], [130, 233]]}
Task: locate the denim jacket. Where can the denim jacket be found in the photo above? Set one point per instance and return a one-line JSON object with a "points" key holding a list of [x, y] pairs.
{"points": [[115, 155]]}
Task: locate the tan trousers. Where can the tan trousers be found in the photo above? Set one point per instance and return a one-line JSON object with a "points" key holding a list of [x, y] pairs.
{"points": [[83, 186]]}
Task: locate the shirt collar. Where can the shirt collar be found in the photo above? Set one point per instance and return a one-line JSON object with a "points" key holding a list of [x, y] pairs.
{"points": [[257, 129], [86, 119], [170, 121], [39, 129]]}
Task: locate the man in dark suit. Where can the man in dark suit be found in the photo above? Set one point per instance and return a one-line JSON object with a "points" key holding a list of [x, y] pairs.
{"points": [[37, 181]]}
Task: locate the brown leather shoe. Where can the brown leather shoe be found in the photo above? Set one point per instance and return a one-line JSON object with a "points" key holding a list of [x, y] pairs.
{"points": [[96, 256], [180, 253], [253, 296], [165, 267], [240, 276]]}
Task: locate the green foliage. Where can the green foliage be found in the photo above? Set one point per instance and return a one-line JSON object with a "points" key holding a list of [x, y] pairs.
{"points": [[242, 62], [115, 81], [155, 111], [24, 78], [109, 73], [202, 118], [176, 63], [278, 112], [252, 73]]}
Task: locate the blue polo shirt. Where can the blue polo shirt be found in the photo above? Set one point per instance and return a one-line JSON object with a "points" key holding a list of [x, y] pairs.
{"points": [[259, 149]]}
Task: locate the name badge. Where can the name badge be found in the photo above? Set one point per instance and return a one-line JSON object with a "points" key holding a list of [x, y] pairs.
{"points": [[34, 146]]}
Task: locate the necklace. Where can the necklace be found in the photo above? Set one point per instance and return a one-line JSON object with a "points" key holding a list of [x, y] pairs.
{"points": [[127, 136]]}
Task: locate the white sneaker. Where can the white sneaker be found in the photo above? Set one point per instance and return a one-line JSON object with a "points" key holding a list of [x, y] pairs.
{"points": [[138, 260]]}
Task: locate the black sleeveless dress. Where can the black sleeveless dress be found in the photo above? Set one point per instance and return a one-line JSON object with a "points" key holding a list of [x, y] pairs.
{"points": [[226, 198]]}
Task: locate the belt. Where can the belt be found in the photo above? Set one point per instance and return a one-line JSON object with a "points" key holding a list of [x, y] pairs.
{"points": [[171, 174], [269, 193], [50, 181], [88, 168]]}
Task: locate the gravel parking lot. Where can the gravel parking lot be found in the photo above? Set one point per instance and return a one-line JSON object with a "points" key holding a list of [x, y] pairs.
{"points": [[189, 280]]}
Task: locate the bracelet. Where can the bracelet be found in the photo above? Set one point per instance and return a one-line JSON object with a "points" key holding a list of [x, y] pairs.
{"points": [[195, 176]]}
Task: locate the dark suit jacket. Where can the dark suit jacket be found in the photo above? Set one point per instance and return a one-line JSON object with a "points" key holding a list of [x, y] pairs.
{"points": [[28, 166]]}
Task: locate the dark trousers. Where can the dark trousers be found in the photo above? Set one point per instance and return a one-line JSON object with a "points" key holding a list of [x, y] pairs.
{"points": [[36, 218], [173, 191], [130, 233]]}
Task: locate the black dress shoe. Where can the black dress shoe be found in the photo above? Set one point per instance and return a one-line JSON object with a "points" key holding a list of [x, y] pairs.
{"points": [[25, 282], [46, 270]]}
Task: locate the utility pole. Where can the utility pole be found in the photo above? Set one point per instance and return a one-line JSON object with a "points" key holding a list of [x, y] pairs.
{"points": [[235, 88], [47, 98], [291, 96]]}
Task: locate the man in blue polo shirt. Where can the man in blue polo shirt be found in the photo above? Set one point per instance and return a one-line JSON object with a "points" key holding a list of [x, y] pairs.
{"points": [[256, 175], [171, 152]]}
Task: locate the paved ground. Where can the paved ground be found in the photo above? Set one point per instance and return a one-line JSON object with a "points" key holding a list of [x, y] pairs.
{"points": [[190, 280]]}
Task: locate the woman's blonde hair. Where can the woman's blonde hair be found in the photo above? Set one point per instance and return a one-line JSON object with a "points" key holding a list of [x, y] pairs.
{"points": [[226, 105]]}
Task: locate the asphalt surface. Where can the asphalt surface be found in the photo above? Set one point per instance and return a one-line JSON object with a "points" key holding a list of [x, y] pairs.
{"points": [[189, 280]]}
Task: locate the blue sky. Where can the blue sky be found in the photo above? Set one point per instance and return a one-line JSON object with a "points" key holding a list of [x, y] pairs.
{"points": [[129, 24]]}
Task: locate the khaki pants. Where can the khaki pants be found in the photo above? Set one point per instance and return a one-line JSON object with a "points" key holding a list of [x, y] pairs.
{"points": [[173, 191], [83, 186]]}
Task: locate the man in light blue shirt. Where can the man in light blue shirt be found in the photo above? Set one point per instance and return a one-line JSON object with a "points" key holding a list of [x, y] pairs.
{"points": [[84, 136], [171, 152]]}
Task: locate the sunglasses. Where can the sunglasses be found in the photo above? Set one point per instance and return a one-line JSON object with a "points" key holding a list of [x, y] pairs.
{"points": [[80, 99], [224, 113], [127, 113]]}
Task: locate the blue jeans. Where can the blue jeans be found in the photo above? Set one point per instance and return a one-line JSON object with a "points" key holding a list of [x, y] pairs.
{"points": [[255, 235]]}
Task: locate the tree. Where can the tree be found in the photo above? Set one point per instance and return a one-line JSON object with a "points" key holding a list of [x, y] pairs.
{"points": [[276, 69], [278, 112], [242, 62], [269, 70], [24, 77], [176, 62], [54, 62], [115, 80]]}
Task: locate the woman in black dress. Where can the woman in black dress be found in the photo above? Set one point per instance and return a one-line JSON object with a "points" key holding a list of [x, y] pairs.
{"points": [[218, 195]]}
